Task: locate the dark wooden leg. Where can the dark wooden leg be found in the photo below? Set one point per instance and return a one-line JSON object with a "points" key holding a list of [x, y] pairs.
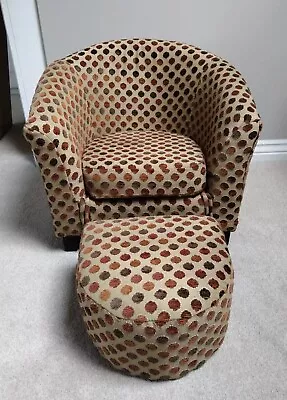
{"points": [[227, 237], [71, 243], [5, 99]]}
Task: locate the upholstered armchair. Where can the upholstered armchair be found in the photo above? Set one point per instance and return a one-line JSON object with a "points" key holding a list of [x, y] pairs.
{"points": [[142, 127]]}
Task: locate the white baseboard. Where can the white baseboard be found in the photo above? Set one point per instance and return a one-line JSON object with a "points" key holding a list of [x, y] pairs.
{"points": [[16, 104], [275, 149]]}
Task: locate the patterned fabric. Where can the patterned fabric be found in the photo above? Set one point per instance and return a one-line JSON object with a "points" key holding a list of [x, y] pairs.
{"points": [[155, 292], [226, 126], [138, 163], [138, 207], [141, 85]]}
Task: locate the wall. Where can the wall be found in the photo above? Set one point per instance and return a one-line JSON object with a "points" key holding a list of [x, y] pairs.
{"points": [[23, 32], [249, 33], [17, 109]]}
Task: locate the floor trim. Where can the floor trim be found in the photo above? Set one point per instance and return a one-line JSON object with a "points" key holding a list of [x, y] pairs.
{"points": [[275, 149], [17, 107]]}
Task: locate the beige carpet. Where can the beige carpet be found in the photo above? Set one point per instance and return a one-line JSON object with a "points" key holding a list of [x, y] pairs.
{"points": [[44, 352]]}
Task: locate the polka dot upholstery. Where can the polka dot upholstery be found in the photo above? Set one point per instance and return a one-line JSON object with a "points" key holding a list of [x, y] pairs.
{"points": [[155, 292], [145, 206], [141, 85], [149, 164]]}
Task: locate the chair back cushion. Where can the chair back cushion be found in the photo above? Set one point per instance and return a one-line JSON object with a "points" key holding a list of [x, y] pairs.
{"points": [[140, 84]]}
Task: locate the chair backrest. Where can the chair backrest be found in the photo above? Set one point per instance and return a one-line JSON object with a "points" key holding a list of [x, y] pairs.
{"points": [[140, 84]]}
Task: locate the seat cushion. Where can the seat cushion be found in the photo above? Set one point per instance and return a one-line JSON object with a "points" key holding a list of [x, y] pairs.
{"points": [[143, 164]]}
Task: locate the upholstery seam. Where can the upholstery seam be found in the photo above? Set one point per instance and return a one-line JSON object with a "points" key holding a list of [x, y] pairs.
{"points": [[58, 156], [257, 121], [47, 135], [151, 320], [239, 128], [166, 197]]}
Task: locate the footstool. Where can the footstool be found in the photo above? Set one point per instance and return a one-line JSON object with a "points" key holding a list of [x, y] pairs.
{"points": [[155, 292]]}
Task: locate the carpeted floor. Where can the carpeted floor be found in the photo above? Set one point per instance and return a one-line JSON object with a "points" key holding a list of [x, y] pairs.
{"points": [[44, 352]]}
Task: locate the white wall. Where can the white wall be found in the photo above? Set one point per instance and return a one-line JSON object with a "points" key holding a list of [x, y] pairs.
{"points": [[249, 33], [22, 26], [17, 109]]}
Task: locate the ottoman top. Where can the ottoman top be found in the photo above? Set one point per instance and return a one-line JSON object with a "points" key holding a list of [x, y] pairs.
{"points": [[154, 268]]}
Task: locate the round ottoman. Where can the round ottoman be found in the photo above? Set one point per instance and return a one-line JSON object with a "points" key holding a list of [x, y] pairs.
{"points": [[155, 292]]}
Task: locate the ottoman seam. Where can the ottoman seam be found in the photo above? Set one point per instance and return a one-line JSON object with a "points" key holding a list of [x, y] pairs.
{"points": [[151, 320]]}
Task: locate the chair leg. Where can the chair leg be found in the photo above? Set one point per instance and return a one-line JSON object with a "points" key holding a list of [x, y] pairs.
{"points": [[71, 243], [227, 237]]}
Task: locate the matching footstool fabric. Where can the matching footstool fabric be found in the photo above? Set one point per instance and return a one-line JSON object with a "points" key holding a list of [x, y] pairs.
{"points": [[155, 292]]}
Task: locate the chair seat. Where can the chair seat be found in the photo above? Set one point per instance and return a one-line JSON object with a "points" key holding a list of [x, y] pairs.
{"points": [[143, 163]]}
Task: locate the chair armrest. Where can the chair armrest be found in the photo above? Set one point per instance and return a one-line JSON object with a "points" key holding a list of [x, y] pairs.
{"points": [[226, 126], [58, 128]]}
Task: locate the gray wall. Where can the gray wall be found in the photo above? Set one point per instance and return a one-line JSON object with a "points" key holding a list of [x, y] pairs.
{"points": [[251, 34]]}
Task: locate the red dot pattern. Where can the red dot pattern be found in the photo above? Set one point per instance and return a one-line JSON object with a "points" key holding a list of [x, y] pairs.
{"points": [[142, 85], [153, 164], [160, 301]]}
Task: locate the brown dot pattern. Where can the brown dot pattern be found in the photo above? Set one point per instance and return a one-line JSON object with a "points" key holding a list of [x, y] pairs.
{"points": [[147, 206], [185, 256], [143, 164], [57, 129], [141, 85], [155, 292]]}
